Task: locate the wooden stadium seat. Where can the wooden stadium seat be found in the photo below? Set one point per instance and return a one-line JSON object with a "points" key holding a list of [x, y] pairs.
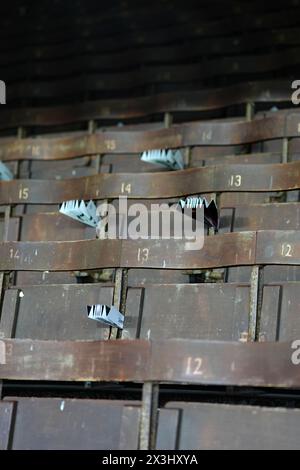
{"points": [[207, 426], [65, 424]]}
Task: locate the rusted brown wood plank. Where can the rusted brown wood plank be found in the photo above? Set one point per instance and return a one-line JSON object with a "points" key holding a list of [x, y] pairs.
{"points": [[53, 226], [181, 135], [230, 249], [94, 254], [108, 360], [227, 178], [278, 247], [171, 361]]}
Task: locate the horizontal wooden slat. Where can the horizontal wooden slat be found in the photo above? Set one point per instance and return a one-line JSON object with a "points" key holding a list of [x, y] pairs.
{"points": [[230, 132], [170, 361], [223, 250], [268, 91], [126, 81], [230, 249], [211, 179]]}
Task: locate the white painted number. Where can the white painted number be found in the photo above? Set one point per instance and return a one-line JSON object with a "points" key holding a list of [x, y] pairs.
{"points": [[287, 250], [23, 193], [14, 254], [143, 255], [235, 181], [126, 188], [207, 136], [111, 145], [194, 365], [2, 353]]}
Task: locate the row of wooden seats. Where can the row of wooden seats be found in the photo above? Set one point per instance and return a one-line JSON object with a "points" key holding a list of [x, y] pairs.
{"points": [[264, 92], [120, 140], [215, 312], [235, 62], [108, 24], [136, 81], [280, 248], [199, 157], [60, 424], [249, 248], [63, 61], [232, 184], [167, 33], [213, 179], [56, 227], [77, 15], [267, 321], [110, 20], [271, 365], [164, 75], [238, 331]]}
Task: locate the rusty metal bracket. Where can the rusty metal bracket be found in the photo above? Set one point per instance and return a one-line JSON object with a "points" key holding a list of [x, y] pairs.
{"points": [[256, 290], [149, 416], [119, 298]]}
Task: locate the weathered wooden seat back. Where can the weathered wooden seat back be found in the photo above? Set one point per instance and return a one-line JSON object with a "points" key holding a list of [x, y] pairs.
{"points": [[65, 424], [205, 426]]}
